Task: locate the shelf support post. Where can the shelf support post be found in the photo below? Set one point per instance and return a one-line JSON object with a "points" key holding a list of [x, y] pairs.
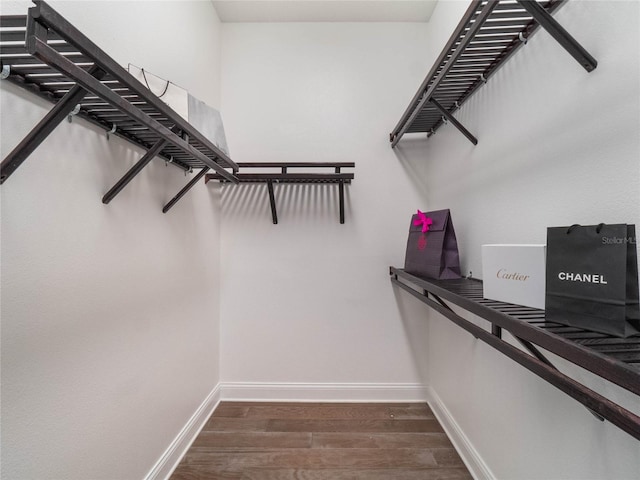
{"points": [[453, 121], [187, 187], [272, 202], [133, 171], [341, 200], [558, 32], [44, 128]]}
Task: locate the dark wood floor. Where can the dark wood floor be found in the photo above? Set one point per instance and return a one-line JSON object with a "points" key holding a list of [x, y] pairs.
{"points": [[322, 441]]}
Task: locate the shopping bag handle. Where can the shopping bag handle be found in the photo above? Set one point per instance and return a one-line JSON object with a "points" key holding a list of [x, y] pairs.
{"points": [[575, 225]]}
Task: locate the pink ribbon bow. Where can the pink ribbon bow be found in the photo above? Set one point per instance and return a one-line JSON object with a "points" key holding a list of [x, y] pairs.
{"points": [[422, 220]]}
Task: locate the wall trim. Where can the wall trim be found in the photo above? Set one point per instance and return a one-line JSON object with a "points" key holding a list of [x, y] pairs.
{"points": [[324, 392], [169, 460], [470, 456]]}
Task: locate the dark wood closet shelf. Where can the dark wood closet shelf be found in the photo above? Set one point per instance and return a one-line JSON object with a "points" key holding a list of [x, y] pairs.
{"points": [[284, 175], [46, 55], [488, 34], [614, 359]]}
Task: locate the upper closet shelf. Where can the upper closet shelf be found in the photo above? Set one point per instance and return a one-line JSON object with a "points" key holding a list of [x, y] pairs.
{"points": [[285, 175], [44, 54], [489, 33]]}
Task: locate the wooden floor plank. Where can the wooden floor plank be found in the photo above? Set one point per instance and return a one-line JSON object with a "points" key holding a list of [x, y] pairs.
{"points": [[355, 474], [364, 425], [319, 404], [230, 411], [235, 425], [447, 457], [411, 411], [340, 412], [380, 440], [366, 458], [246, 441], [185, 472], [321, 441]]}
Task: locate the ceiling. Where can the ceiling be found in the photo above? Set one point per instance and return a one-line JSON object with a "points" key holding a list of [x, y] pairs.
{"points": [[324, 10]]}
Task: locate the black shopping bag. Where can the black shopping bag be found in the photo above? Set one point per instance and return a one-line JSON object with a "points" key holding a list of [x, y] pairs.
{"points": [[432, 248], [592, 278]]}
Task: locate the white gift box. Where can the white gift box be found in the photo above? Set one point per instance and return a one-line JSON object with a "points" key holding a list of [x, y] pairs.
{"points": [[514, 274]]}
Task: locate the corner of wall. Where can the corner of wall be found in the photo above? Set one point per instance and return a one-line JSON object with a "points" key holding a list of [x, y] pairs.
{"points": [[470, 456], [170, 459]]}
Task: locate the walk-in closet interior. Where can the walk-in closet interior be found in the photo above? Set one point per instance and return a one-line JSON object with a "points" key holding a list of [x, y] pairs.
{"points": [[210, 214]]}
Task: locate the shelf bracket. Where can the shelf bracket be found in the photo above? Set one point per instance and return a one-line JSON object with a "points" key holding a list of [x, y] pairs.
{"points": [[133, 171], [186, 188], [48, 124], [540, 356], [558, 32], [453, 121], [47, 54], [341, 200], [272, 202], [496, 331]]}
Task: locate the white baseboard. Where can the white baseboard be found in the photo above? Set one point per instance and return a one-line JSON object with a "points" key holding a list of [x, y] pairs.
{"points": [[169, 460], [470, 456], [324, 392]]}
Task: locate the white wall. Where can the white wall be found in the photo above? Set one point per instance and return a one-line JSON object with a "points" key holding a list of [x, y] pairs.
{"points": [[557, 146], [110, 314], [308, 301]]}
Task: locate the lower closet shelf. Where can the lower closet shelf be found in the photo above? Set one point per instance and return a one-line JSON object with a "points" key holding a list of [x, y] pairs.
{"points": [[614, 359]]}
